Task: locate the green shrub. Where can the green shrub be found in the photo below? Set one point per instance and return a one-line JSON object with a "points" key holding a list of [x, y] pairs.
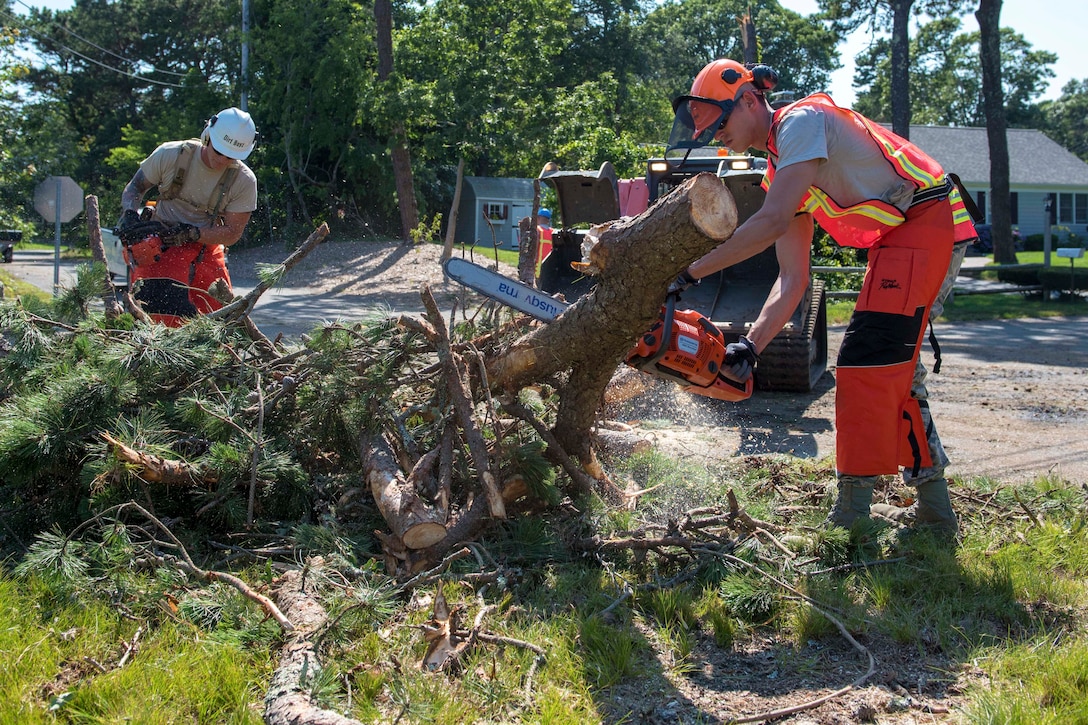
{"points": [[1057, 278], [1034, 242], [1024, 274]]}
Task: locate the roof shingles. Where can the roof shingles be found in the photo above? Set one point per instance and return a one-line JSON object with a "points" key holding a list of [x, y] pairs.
{"points": [[1034, 159]]}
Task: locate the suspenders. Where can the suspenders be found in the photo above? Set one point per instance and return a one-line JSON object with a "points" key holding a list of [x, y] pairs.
{"points": [[187, 153]]}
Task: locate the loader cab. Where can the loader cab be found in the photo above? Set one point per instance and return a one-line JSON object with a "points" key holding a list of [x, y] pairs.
{"points": [[732, 298]]}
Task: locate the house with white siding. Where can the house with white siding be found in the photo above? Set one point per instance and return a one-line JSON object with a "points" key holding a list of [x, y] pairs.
{"points": [[1039, 169]]}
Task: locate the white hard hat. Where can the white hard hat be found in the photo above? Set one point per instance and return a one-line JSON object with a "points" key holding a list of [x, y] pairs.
{"points": [[231, 133]]}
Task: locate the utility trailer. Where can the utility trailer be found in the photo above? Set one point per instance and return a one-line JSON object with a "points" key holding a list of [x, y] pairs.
{"points": [[797, 357]]}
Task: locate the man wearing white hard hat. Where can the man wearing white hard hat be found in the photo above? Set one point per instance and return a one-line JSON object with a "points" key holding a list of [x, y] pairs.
{"points": [[206, 195]]}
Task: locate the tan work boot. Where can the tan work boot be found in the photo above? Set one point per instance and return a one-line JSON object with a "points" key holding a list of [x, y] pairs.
{"points": [[932, 510], [852, 502]]}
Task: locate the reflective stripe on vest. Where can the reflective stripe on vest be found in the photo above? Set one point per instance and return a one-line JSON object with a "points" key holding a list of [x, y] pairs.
{"points": [[864, 223]]}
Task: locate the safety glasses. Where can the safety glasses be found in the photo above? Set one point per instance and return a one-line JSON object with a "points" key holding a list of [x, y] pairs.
{"points": [[696, 121]]}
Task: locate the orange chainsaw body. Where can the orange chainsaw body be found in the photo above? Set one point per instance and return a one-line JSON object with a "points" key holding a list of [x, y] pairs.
{"points": [[685, 347]]}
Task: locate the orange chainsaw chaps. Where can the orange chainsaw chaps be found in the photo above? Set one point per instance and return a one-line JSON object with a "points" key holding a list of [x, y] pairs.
{"points": [[693, 356]]}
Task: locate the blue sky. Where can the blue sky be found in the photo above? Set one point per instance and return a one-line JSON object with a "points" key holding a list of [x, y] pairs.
{"points": [[1056, 25]]}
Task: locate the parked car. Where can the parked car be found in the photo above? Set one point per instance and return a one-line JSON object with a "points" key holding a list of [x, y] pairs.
{"points": [[985, 243], [115, 260], [8, 239]]}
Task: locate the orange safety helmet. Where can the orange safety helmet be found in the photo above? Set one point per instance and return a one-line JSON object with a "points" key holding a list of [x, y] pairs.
{"points": [[714, 92]]}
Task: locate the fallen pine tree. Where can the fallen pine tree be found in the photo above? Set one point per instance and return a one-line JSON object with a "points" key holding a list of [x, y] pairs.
{"points": [[445, 429], [393, 445]]}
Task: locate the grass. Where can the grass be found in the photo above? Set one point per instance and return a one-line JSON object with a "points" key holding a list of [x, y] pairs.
{"points": [[1055, 260], [1001, 616], [57, 648], [970, 308], [1004, 609], [15, 287]]}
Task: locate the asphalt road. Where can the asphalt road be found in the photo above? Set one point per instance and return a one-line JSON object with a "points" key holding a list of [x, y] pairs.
{"points": [[289, 312], [297, 310]]}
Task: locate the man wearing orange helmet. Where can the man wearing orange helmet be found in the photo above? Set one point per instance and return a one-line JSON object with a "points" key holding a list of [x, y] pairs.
{"points": [[867, 188], [206, 195]]}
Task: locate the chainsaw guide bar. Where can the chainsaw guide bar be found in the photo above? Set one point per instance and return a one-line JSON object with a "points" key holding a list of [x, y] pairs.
{"points": [[504, 290]]}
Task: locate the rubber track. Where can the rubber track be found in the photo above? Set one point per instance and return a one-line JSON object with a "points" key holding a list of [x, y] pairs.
{"points": [[795, 359]]}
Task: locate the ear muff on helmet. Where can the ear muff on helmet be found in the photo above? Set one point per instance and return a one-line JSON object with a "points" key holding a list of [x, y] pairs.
{"points": [[764, 77], [714, 94]]}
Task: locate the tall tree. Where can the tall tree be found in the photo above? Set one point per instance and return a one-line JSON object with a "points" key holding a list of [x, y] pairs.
{"points": [[989, 23], [945, 83], [9, 114], [315, 94], [1066, 119], [477, 81], [156, 67], [683, 37], [398, 142], [846, 16]]}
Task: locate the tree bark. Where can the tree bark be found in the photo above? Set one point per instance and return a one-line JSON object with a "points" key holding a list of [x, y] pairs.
{"points": [[749, 39], [98, 253], [398, 146], [993, 101], [455, 211], [529, 234], [288, 701], [635, 260], [156, 469], [901, 67]]}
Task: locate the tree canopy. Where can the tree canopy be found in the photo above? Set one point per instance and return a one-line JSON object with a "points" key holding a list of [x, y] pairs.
{"points": [[505, 86], [945, 81]]}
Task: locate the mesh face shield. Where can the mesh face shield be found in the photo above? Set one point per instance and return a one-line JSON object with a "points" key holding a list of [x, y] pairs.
{"points": [[696, 121]]}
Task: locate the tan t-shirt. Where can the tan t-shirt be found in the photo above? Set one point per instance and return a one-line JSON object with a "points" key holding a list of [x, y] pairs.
{"points": [[195, 201], [852, 168]]}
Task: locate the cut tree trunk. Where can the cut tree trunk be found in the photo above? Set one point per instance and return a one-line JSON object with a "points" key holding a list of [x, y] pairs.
{"points": [[417, 524], [635, 260]]}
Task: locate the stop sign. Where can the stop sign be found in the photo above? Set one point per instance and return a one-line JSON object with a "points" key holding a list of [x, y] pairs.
{"points": [[58, 198]]}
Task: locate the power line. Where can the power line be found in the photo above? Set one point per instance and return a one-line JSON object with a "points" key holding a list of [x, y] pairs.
{"points": [[62, 46], [105, 50]]}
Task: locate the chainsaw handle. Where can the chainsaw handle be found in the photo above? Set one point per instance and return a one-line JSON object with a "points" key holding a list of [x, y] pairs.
{"points": [[666, 332]]}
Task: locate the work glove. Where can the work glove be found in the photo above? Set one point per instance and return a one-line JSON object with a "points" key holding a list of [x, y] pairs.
{"points": [[741, 358], [180, 234], [128, 219], [136, 233], [681, 283]]}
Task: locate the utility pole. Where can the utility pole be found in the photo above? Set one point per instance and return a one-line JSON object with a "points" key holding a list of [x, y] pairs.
{"points": [[245, 55]]}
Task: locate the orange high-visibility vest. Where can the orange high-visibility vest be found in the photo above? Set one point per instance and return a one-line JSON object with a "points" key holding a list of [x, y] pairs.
{"points": [[544, 247], [863, 224]]}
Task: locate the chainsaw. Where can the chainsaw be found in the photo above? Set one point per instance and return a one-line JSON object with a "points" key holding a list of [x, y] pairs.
{"points": [[683, 346]]}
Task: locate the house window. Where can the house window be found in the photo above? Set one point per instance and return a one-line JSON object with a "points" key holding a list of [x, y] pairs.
{"points": [[495, 211], [1073, 208], [980, 202], [1014, 207]]}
